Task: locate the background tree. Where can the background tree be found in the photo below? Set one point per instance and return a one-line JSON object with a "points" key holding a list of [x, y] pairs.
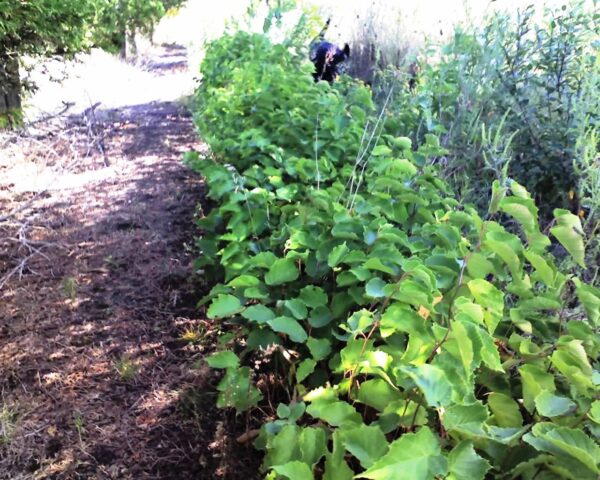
{"points": [[119, 21], [40, 27]]}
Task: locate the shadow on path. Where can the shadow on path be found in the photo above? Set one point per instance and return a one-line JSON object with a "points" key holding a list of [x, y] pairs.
{"points": [[93, 370]]}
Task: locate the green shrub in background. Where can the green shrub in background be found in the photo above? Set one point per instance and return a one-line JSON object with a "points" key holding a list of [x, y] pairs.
{"points": [[40, 28], [538, 81], [118, 21], [384, 329]]}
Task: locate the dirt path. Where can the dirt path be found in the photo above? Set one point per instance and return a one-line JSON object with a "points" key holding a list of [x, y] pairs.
{"points": [[100, 345]]}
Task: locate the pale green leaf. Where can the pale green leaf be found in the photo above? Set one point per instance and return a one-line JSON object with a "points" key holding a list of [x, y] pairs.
{"points": [[335, 413], [374, 288], [289, 326], [535, 380], [313, 445], [224, 305], [464, 463], [569, 233], [491, 299], [414, 456], [335, 466], [367, 443], [377, 393], [337, 255], [283, 270], [294, 471], [550, 405], [224, 359], [563, 441], [505, 409], [433, 382], [319, 348], [258, 314], [305, 368]]}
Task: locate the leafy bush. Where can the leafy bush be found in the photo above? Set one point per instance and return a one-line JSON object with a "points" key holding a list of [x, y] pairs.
{"points": [[118, 21], [537, 79], [383, 328], [43, 27]]}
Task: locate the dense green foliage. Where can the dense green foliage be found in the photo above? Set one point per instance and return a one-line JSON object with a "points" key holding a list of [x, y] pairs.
{"points": [[44, 26], [534, 82], [119, 20], [36, 28], [384, 329]]}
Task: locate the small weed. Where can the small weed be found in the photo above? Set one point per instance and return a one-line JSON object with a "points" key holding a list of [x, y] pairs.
{"points": [[8, 420], [126, 368], [79, 423], [69, 286], [192, 335], [111, 262]]}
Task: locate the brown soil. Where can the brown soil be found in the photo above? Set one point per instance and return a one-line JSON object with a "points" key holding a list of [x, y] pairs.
{"points": [[101, 347]]}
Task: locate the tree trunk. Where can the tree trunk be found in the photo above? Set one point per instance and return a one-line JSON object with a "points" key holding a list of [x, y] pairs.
{"points": [[10, 90], [129, 49]]}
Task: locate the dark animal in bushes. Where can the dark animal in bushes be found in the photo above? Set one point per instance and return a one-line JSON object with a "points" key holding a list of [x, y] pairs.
{"points": [[328, 58], [414, 70]]}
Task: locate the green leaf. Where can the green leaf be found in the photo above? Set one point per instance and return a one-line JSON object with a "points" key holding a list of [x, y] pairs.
{"points": [[319, 348], [570, 358], [433, 382], [503, 245], [224, 305], [563, 441], [367, 443], [380, 150], [335, 466], [294, 471], [283, 411], [590, 298], [289, 326], [594, 413], [479, 266], [377, 393], [337, 255], [491, 299], [569, 233], [320, 317], [542, 268], [244, 281], [464, 345], [224, 359], [414, 456], [374, 288], [283, 270], [297, 308], [375, 263], [335, 413], [313, 296], [468, 420], [258, 314], [534, 380], [237, 391], [549, 405], [313, 445], [505, 409], [464, 463], [498, 193], [306, 367], [523, 210]]}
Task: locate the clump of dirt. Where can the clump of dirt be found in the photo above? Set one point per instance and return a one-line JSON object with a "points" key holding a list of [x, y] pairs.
{"points": [[100, 343]]}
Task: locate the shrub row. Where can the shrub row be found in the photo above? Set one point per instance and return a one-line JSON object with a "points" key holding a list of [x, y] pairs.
{"points": [[380, 328]]}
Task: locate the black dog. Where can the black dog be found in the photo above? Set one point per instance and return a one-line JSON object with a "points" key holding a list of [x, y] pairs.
{"points": [[327, 58]]}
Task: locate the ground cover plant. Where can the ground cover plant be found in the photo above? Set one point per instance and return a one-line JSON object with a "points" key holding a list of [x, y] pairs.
{"points": [[377, 327]]}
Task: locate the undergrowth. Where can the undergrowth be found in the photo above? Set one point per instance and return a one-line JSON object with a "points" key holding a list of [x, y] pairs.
{"points": [[379, 327]]}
